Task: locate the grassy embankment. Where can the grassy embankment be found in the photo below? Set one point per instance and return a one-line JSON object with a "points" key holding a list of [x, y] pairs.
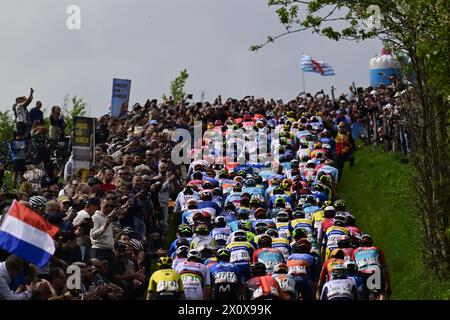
{"points": [[377, 192]]}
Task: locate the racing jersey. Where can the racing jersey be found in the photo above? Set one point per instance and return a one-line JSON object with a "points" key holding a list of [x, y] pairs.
{"points": [[355, 234], [339, 289], [203, 242], [234, 197], [186, 217], [309, 210], [317, 218], [305, 224], [331, 237], [221, 235], [166, 284], [368, 257], [327, 267], [287, 284], [195, 277], [226, 281], [180, 202], [264, 287], [210, 206], [176, 261], [284, 230], [283, 245], [302, 265], [269, 256], [240, 252]]}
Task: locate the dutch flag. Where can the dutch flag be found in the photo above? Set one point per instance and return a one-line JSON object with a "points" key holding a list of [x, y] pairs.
{"points": [[28, 235], [320, 67]]}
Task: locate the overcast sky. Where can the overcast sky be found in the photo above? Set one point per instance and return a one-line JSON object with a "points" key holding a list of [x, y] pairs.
{"points": [[150, 41]]}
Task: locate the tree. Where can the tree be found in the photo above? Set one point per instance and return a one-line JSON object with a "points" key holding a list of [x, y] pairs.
{"points": [[73, 107], [418, 30], [8, 127], [177, 87]]}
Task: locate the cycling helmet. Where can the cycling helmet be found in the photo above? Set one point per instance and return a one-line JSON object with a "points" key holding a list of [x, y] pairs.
{"points": [[127, 230], [351, 266], [264, 241], [260, 213], [350, 220], [329, 212], [340, 205], [245, 225], [186, 231], [261, 228], [325, 179], [255, 200], [258, 179], [299, 233], [327, 203], [317, 145], [304, 244], [299, 214], [243, 212], [223, 254], [192, 203], [278, 190], [37, 201], [339, 272], [206, 194], [258, 269], [194, 254], [137, 244], [273, 233], [182, 251], [220, 222], [311, 163], [339, 220], [366, 240], [329, 162], [239, 235], [282, 216], [202, 229], [180, 242], [344, 241], [164, 262], [281, 268], [250, 183], [280, 202]]}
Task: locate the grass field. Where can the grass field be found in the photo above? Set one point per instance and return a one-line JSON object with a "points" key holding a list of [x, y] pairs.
{"points": [[376, 191]]}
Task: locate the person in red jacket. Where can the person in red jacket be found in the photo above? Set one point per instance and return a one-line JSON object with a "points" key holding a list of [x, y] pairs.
{"points": [[262, 286]]}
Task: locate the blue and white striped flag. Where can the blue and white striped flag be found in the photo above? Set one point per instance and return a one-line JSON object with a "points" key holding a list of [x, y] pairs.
{"points": [[310, 65]]}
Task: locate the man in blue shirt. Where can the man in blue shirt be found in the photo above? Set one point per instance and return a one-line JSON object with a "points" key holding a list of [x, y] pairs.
{"points": [[36, 113]]}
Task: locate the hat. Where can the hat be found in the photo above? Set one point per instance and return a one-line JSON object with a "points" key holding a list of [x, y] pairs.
{"points": [[63, 199], [153, 122], [138, 130], [373, 92]]}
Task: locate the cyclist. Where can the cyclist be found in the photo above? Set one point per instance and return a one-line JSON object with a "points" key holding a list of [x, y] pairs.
{"points": [[262, 286], [226, 277], [285, 280], [221, 232], [241, 252], [195, 277], [266, 254], [165, 283], [332, 235], [303, 267], [340, 287], [370, 260]]}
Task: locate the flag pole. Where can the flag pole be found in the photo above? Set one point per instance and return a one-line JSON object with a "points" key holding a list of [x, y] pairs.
{"points": [[303, 75], [304, 90]]}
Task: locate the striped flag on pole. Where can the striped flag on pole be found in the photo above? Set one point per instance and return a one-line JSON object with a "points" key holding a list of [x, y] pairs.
{"points": [[320, 67], [27, 235]]}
